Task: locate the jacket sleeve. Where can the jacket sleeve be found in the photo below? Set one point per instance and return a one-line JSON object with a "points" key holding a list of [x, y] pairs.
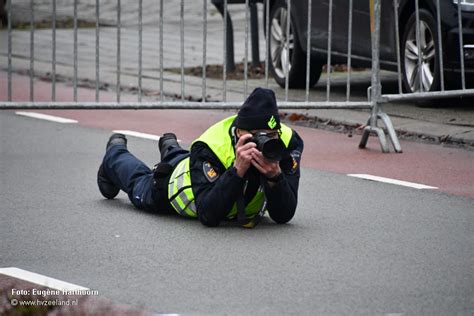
{"points": [[282, 196], [214, 195]]}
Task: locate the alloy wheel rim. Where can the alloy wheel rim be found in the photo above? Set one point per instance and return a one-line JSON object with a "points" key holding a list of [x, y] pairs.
{"points": [[280, 50], [428, 60]]}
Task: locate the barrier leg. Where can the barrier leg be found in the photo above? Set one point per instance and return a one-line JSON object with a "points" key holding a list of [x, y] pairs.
{"points": [[372, 127], [381, 135], [365, 137], [391, 131]]}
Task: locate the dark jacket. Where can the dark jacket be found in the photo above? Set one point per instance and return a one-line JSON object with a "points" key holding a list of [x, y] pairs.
{"points": [[215, 197]]}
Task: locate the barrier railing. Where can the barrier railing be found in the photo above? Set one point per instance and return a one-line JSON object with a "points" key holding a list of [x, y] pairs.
{"points": [[292, 51]]}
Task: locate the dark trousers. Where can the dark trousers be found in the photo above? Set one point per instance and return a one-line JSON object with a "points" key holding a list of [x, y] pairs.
{"points": [[135, 178]]}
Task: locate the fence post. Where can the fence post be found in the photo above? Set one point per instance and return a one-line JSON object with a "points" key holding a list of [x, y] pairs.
{"points": [[229, 35], [375, 91], [254, 34]]}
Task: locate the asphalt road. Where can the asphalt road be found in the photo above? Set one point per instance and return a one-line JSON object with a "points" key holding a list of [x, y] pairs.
{"points": [[354, 246]]}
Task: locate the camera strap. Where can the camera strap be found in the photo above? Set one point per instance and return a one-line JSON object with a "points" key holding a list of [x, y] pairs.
{"points": [[241, 216], [241, 206]]}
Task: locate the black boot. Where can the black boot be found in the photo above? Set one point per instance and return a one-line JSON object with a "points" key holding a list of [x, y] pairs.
{"points": [[166, 141], [116, 139], [106, 187]]}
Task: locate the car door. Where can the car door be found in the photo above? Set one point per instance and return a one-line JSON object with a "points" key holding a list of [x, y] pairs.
{"points": [[339, 25], [319, 23], [361, 37], [362, 42]]}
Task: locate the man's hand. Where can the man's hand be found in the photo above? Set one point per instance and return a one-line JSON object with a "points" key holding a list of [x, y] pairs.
{"points": [[244, 154], [268, 168]]}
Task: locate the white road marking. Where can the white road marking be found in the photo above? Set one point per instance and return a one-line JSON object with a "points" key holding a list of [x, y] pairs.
{"points": [[46, 117], [41, 279], [139, 134], [392, 181]]}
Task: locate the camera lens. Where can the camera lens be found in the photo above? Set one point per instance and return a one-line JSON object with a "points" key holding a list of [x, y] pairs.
{"points": [[272, 149]]}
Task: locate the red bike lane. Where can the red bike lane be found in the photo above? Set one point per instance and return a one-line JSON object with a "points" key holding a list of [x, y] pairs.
{"points": [[449, 169]]}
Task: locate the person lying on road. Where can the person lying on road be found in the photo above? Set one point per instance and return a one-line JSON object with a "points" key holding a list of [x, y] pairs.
{"points": [[239, 168]]}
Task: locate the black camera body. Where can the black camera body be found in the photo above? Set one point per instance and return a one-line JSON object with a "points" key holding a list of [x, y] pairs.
{"points": [[271, 148]]}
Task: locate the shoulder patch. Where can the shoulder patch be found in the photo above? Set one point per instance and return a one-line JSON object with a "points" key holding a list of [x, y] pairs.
{"points": [[294, 165], [209, 172], [295, 157]]}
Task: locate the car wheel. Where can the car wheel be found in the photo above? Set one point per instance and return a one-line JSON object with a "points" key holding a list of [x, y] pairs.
{"points": [[428, 50], [288, 59]]}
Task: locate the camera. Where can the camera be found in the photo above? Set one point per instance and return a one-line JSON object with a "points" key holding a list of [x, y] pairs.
{"points": [[271, 148]]}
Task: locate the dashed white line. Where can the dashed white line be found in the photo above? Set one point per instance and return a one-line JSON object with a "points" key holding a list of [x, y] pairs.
{"points": [[41, 279], [139, 134], [47, 117], [393, 181]]}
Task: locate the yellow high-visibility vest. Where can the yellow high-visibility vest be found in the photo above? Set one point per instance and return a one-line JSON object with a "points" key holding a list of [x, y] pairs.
{"points": [[218, 139]]}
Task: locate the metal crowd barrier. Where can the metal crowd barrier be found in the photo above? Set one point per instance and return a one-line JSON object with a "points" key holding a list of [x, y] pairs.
{"points": [[374, 101]]}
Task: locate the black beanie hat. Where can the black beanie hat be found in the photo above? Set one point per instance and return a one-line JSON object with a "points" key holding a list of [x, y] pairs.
{"points": [[259, 111]]}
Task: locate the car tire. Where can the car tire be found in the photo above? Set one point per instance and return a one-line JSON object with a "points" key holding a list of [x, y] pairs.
{"points": [[429, 46], [278, 52]]}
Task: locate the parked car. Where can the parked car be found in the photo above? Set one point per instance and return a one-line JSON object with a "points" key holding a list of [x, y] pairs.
{"points": [[361, 40]]}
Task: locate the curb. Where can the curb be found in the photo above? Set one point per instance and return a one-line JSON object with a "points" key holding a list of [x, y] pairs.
{"points": [[351, 127]]}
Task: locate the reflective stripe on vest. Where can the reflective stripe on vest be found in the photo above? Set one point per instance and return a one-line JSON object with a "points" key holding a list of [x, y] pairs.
{"points": [[180, 193], [218, 139]]}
